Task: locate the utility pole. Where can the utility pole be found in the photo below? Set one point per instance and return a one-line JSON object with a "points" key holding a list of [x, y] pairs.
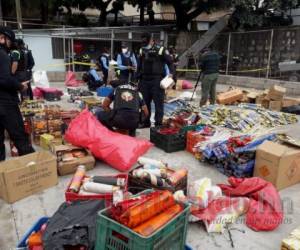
{"points": [[19, 15]]}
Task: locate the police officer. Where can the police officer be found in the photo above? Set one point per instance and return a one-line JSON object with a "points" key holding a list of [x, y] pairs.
{"points": [[209, 64], [127, 106], [93, 79], [25, 65], [10, 116], [104, 62], [126, 64], [154, 61]]}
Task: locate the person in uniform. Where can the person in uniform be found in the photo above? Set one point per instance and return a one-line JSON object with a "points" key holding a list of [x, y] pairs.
{"points": [[92, 78], [11, 119], [155, 63], [23, 60], [104, 63], [128, 105], [127, 64], [209, 65]]}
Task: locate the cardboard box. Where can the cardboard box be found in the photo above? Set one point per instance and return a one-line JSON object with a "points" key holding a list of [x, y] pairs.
{"points": [[278, 164], [288, 102], [276, 93], [70, 166], [23, 176], [230, 97], [292, 242], [265, 103], [275, 105]]}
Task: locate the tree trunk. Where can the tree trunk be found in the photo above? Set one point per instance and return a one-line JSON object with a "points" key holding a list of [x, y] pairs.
{"points": [[142, 13], [182, 19], [102, 17], [116, 18], [44, 11]]}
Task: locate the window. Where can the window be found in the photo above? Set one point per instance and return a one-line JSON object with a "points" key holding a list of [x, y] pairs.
{"points": [[57, 48]]}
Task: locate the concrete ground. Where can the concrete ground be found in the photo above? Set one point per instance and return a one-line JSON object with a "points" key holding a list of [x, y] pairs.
{"points": [[17, 218]]}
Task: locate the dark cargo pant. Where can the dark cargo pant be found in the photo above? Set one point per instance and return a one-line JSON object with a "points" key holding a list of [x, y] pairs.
{"points": [[209, 83]]}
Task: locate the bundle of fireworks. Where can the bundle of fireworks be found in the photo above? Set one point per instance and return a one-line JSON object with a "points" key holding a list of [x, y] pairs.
{"points": [[32, 107], [68, 115], [235, 156], [69, 157], [82, 187], [184, 118], [90, 102], [53, 112], [201, 134], [147, 213], [245, 117], [176, 107], [76, 93], [155, 174]]}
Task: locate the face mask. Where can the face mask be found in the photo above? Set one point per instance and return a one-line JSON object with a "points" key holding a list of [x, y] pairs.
{"points": [[124, 51]]}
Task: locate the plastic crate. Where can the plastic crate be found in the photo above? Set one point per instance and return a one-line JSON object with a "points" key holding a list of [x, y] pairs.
{"points": [[104, 91], [137, 185], [112, 235], [70, 196], [35, 228], [168, 143]]}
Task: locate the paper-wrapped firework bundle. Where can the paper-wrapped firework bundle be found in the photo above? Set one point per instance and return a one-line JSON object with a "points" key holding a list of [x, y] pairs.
{"points": [[132, 216]]}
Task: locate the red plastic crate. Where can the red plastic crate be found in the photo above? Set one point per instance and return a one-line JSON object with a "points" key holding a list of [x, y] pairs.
{"points": [[71, 196], [192, 138]]}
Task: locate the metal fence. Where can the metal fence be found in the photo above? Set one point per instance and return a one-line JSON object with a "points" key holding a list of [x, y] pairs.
{"points": [[261, 53]]}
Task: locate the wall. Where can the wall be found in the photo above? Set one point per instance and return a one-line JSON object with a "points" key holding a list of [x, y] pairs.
{"points": [[293, 88], [41, 48]]}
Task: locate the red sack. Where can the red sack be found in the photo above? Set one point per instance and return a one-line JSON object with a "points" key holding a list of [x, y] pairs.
{"points": [[265, 212], [117, 150], [186, 84], [71, 80], [38, 93]]}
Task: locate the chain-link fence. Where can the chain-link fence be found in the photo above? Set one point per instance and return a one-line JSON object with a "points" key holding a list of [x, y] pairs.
{"points": [[265, 53]]}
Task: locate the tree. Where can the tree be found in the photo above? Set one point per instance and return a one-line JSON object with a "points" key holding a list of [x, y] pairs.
{"points": [[141, 4], [117, 6], [187, 10], [256, 13]]}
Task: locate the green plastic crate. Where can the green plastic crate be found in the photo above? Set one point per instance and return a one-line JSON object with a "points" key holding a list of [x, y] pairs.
{"points": [[170, 237]]}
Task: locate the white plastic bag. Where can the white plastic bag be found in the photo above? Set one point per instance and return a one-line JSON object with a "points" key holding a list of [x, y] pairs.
{"points": [[40, 79], [167, 82]]}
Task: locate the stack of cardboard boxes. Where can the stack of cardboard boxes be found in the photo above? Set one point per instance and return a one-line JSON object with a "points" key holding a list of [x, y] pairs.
{"points": [[274, 99]]}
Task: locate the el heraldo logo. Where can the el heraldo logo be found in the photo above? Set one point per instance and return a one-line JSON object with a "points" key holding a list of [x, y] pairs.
{"points": [[293, 170]]}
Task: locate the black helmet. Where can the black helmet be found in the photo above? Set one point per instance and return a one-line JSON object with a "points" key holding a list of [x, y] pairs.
{"points": [[124, 45], [20, 42], [9, 33]]}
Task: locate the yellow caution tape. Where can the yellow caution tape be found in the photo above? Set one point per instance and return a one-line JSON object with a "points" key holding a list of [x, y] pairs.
{"points": [[178, 70]]}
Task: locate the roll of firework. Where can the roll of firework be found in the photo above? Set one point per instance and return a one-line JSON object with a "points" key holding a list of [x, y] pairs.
{"points": [[154, 180], [177, 176], [144, 161], [157, 172], [77, 179], [99, 188], [109, 180], [138, 173]]}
